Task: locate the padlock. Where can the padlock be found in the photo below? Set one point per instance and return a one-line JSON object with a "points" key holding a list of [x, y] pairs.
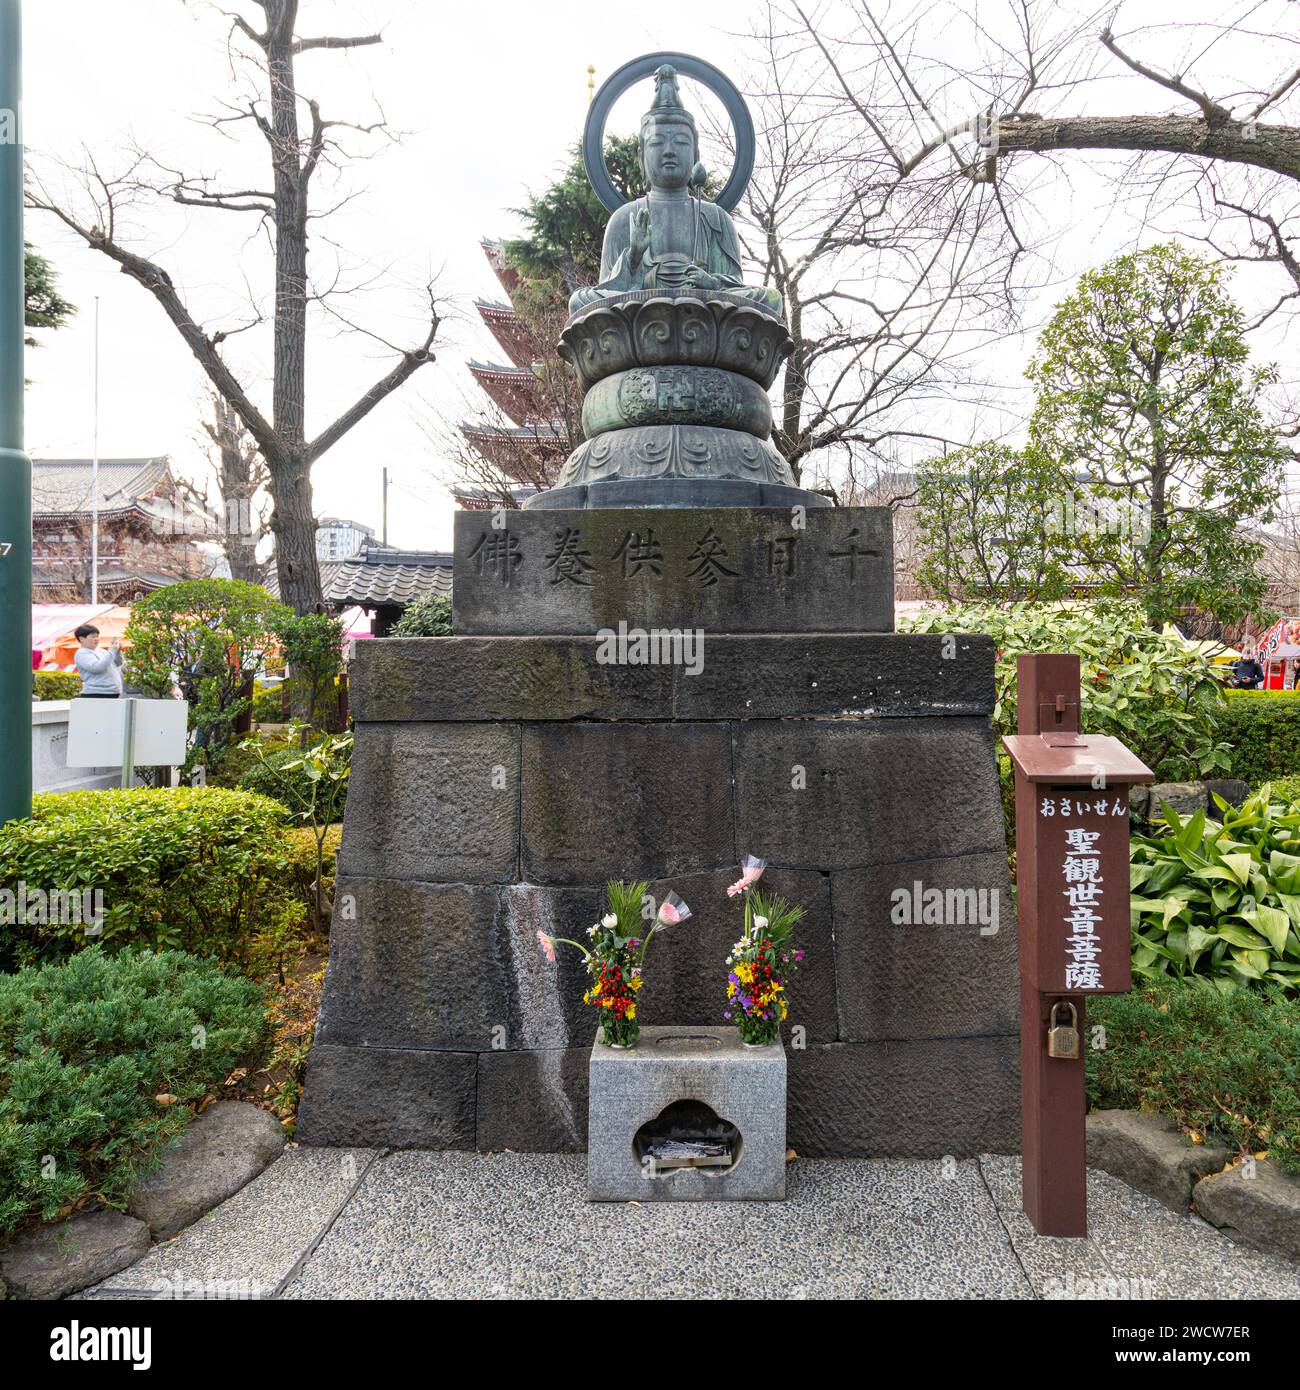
{"points": [[1063, 1039]]}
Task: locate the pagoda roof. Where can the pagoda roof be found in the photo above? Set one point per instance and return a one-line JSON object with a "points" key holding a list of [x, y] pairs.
{"points": [[514, 389]]}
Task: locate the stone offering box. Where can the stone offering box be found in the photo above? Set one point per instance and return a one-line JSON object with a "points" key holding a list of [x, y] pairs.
{"points": [[686, 1084]]}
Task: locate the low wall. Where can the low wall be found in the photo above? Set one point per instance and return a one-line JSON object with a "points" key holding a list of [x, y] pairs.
{"points": [[50, 770]]}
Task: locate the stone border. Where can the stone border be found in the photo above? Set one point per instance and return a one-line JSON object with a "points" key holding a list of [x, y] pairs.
{"points": [[1147, 1151], [220, 1151]]}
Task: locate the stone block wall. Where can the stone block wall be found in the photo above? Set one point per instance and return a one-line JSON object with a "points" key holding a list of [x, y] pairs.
{"points": [[499, 782]]}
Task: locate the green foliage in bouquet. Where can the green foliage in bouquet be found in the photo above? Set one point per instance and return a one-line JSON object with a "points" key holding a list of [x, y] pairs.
{"points": [[1220, 898], [759, 964]]}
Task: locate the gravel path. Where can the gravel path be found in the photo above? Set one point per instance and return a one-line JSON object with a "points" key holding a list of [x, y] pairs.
{"points": [[357, 1223]]}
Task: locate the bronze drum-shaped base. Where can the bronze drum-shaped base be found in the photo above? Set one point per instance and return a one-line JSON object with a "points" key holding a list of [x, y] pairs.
{"points": [[676, 412], [676, 466]]}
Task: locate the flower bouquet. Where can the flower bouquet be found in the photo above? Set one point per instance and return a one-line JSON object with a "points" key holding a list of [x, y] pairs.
{"points": [[615, 957], [761, 960]]}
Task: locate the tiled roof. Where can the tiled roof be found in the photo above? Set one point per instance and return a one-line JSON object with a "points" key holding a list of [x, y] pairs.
{"points": [[380, 578], [62, 486]]}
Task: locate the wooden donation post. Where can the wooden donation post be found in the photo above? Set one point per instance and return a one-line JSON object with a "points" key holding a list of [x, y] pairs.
{"points": [[1072, 876]]}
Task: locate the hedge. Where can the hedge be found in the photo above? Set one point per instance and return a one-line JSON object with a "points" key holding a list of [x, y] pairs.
{"points": [[55, 685], [1263, 729], [202, 869], [101, 1059], [1223, 1064]]}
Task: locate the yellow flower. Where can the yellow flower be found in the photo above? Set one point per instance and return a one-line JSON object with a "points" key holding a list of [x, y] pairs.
{"points": [[631, 1012]]}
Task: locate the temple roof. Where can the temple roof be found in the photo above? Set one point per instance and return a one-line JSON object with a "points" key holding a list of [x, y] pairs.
{"points": [[379, 578], [514, 389], [503, 323]]}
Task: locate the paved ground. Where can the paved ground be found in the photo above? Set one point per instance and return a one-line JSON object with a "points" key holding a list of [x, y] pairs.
{"points": [[360, 1223]]}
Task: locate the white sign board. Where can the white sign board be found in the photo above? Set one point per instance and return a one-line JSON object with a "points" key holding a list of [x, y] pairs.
{"points": [[97, 732]]}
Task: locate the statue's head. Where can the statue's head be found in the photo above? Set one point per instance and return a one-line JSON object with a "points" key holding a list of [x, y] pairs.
{"points": [[670, 144]]}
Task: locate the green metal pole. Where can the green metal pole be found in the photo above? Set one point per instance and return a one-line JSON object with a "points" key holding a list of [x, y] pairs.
{"points": [[15, 466]]}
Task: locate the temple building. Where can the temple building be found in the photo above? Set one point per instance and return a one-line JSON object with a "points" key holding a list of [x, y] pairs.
{"points": [[518, 446], [153, 530]]}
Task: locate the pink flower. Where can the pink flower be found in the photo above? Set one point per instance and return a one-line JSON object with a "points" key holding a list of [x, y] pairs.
{"points": [[547, 943], [750, 873], [673, 910]]}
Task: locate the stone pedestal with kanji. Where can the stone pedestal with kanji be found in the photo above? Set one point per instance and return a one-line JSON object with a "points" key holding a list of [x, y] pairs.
{"points": [[501, 777]]}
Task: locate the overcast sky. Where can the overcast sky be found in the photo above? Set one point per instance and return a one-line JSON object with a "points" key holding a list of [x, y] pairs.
{"points": [[488, 98]]}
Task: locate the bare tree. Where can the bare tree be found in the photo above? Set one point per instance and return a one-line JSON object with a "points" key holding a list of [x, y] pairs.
{"points": [[1219, 144], [275, 110], [240, 473], [892, 287]]}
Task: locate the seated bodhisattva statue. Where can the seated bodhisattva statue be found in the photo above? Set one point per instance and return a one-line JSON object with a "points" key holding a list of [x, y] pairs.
{"points": [[672, 239]]}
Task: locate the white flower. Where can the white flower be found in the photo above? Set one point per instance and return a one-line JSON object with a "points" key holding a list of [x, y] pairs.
{"points": [[760, 922], [591, 931], [609, 921], [730, 960]]}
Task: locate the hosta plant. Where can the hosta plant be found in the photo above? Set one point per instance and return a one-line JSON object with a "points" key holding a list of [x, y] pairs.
{"points": [[1220, 897]]}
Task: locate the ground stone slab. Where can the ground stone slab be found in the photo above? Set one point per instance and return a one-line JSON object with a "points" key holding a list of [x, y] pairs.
{"points": [[1149, 1153], [58, 1260], [226, 1147], [1263, 1210]]}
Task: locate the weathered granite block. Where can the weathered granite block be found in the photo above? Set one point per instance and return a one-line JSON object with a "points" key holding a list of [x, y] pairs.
{"points": [[402, 1098], [534, 1101], [923, 1099], [433, 801], [779, 676], [615, 800], [723, 569], [842, 794], [926, 949], [414, 965], [664, 1082]]}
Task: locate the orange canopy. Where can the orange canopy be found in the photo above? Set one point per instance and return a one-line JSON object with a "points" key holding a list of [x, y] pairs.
{"points": [[53, 625]]}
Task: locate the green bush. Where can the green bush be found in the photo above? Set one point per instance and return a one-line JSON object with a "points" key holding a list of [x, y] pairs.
{"points": [[86, 1048], [429, 616], [1223, 1065], [55, 685], [287, 777], [1263, 728], [196, 868], [1154, 692], [1220, 898], [268, 703]]}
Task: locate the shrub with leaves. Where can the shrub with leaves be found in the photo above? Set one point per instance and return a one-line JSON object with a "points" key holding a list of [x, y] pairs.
{"points": [[429, 616], [1263, 727], [196, 868], [312, 646], [207, 637], [1220, 898], [55, 685], [1223, 1065], [102, 1058], [312, 783], [1152, 691]]}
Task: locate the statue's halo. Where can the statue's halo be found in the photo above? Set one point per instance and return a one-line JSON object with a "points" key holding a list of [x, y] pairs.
{"points": [[593, 135]]}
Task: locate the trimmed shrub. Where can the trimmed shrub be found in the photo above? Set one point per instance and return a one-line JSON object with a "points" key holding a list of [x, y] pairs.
{"points": [[1223, 1065], [1263, 728], [268, 703], [1152, 691], [196, 868], [1220, 898], [55, 685], [87, 1049]]}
